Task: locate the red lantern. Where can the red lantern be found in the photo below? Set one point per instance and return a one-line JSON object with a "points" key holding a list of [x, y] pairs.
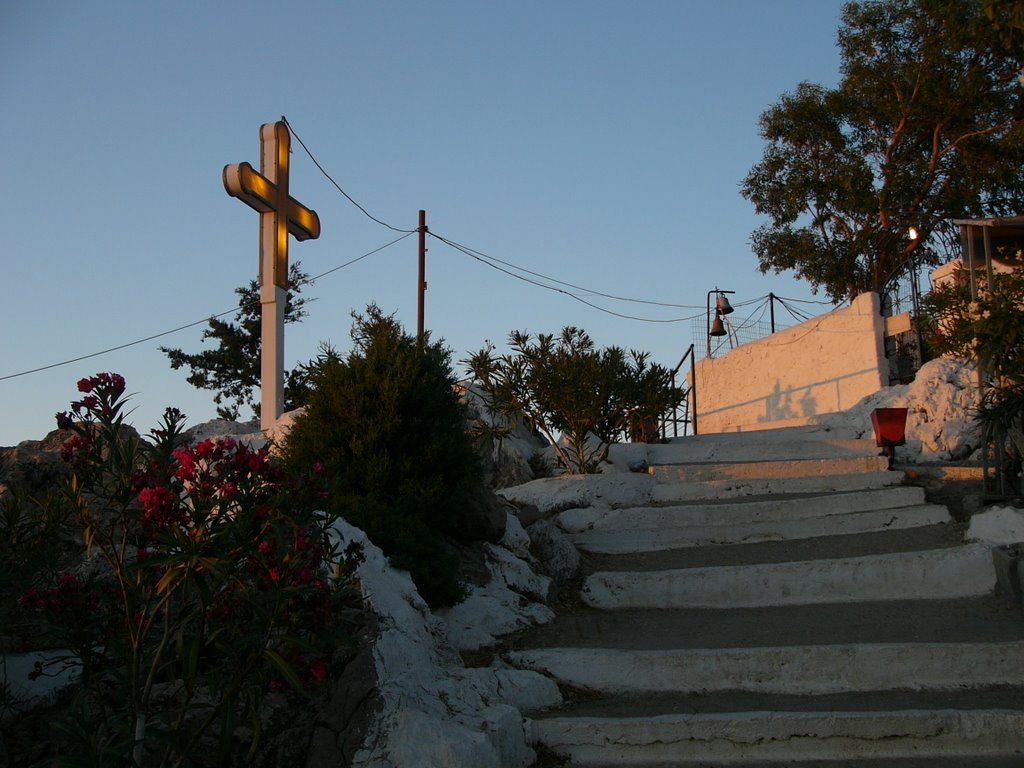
{"points": [[890, 425]]}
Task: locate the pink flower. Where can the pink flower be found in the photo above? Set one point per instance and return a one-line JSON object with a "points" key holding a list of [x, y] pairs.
{"points": [[86, 385], [157, 506], [275, 574], [204, 449], [318, 671]]}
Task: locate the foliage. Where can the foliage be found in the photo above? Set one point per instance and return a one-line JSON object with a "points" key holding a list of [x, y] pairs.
{"points": [[1007, 19], [989, 329], [387, 424], [232, 370], [206, 582], [568, 386], [924, 125]]}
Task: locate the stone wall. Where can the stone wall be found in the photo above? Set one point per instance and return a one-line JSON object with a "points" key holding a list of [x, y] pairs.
{"points": [[824, 365]]}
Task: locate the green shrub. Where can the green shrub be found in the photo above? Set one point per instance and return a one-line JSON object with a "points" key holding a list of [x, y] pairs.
{"points": [[569, 390], [388, 427]]}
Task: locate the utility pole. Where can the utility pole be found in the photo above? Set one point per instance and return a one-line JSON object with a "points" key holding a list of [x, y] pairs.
{"points": [[771, 306], [422, 283]]}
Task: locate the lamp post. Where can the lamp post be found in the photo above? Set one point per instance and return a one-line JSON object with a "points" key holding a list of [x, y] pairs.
{"points": [[722, 307]]}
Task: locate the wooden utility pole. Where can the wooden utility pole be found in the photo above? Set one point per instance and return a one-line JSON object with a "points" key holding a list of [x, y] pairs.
{"points": [[422, 283]]}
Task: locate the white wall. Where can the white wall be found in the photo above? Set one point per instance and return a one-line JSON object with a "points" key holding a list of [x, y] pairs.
{"points": [[824, 365]]}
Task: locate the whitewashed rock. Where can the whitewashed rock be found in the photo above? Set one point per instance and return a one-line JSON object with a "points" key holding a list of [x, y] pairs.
{"points": [[516, 540], [435, 711], [507, 603], [940, 404], [554, 550], [997, 525]]}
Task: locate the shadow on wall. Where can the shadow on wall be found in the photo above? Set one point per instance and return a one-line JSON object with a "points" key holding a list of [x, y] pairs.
{"points": [[792, 406], [823, 365], [779, 405]]}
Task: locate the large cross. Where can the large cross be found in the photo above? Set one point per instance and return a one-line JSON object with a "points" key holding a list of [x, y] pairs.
{"points": [[267, 192]]}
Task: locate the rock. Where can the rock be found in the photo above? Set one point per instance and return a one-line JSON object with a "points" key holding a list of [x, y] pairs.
{"points": [[506, 445], [997, 525], [516, 539], [510, 601], [33, 468], [434, 711], [556, 553], [483, 518], [341, 726], [528, 514]]}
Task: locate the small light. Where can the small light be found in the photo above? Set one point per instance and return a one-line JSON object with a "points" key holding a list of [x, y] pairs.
{"points": [[913, 233]]}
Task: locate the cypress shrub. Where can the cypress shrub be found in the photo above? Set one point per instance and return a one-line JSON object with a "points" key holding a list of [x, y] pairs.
{"points": [[389, 429]]}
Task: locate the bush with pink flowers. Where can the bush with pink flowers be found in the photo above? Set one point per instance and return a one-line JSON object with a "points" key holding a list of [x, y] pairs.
{"points": [[208, 579]]}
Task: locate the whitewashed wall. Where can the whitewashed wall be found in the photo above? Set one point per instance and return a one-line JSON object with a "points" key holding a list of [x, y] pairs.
{"points": [[824, 365]]}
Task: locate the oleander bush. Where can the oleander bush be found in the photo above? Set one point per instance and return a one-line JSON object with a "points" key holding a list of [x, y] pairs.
{"points": [[205, 578]]}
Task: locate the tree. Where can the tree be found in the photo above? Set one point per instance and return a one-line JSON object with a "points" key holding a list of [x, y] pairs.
{"points": [[387, 425], [232, 370], [570, 389], [988, 329], [924, 126]]}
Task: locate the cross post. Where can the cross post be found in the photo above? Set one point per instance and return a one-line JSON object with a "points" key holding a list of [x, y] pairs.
{"points": [[280, 214]]}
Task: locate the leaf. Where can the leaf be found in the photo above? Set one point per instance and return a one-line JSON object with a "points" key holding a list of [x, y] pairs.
{"points": [[284, 668]]}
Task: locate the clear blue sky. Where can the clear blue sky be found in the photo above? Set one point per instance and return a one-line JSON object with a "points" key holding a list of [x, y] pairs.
{"points": [[597, 143]]}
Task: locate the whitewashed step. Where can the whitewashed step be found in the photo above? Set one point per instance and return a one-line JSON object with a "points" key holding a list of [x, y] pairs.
{"points": [[932, 574], [772, 469], [633, 489], [668, 490], [778, 444], [801, 670], [645, 529], [770, 738]]}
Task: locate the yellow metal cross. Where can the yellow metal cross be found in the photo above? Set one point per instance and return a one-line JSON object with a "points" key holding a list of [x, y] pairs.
{"points": [[267, 192]]}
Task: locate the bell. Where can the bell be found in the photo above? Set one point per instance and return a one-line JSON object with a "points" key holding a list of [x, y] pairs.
{"points": [[722, 306], [718, 327]]}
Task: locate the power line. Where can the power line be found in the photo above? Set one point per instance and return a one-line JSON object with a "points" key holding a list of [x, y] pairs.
{"points": [[338, 186], [489, 263], [471, 251], [493, 261], [307, 281]]}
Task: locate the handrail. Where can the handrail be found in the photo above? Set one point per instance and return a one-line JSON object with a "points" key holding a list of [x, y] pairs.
{"points": [[690, 393]]}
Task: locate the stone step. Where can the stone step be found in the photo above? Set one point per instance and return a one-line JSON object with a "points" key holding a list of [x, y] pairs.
{"points": [[634, 489], [757, 470], [779, 445], [943, 573], [670, 489], [742, 512], [801, 670], [640, 529], [773, 737], [963, 620], [890, 540], [643, 539]]}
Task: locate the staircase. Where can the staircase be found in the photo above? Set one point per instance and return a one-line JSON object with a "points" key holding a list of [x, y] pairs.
{"points": [[777, 598]]}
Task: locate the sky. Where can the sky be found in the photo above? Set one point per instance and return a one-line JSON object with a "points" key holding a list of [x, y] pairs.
{"points": [[596, 147]]}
